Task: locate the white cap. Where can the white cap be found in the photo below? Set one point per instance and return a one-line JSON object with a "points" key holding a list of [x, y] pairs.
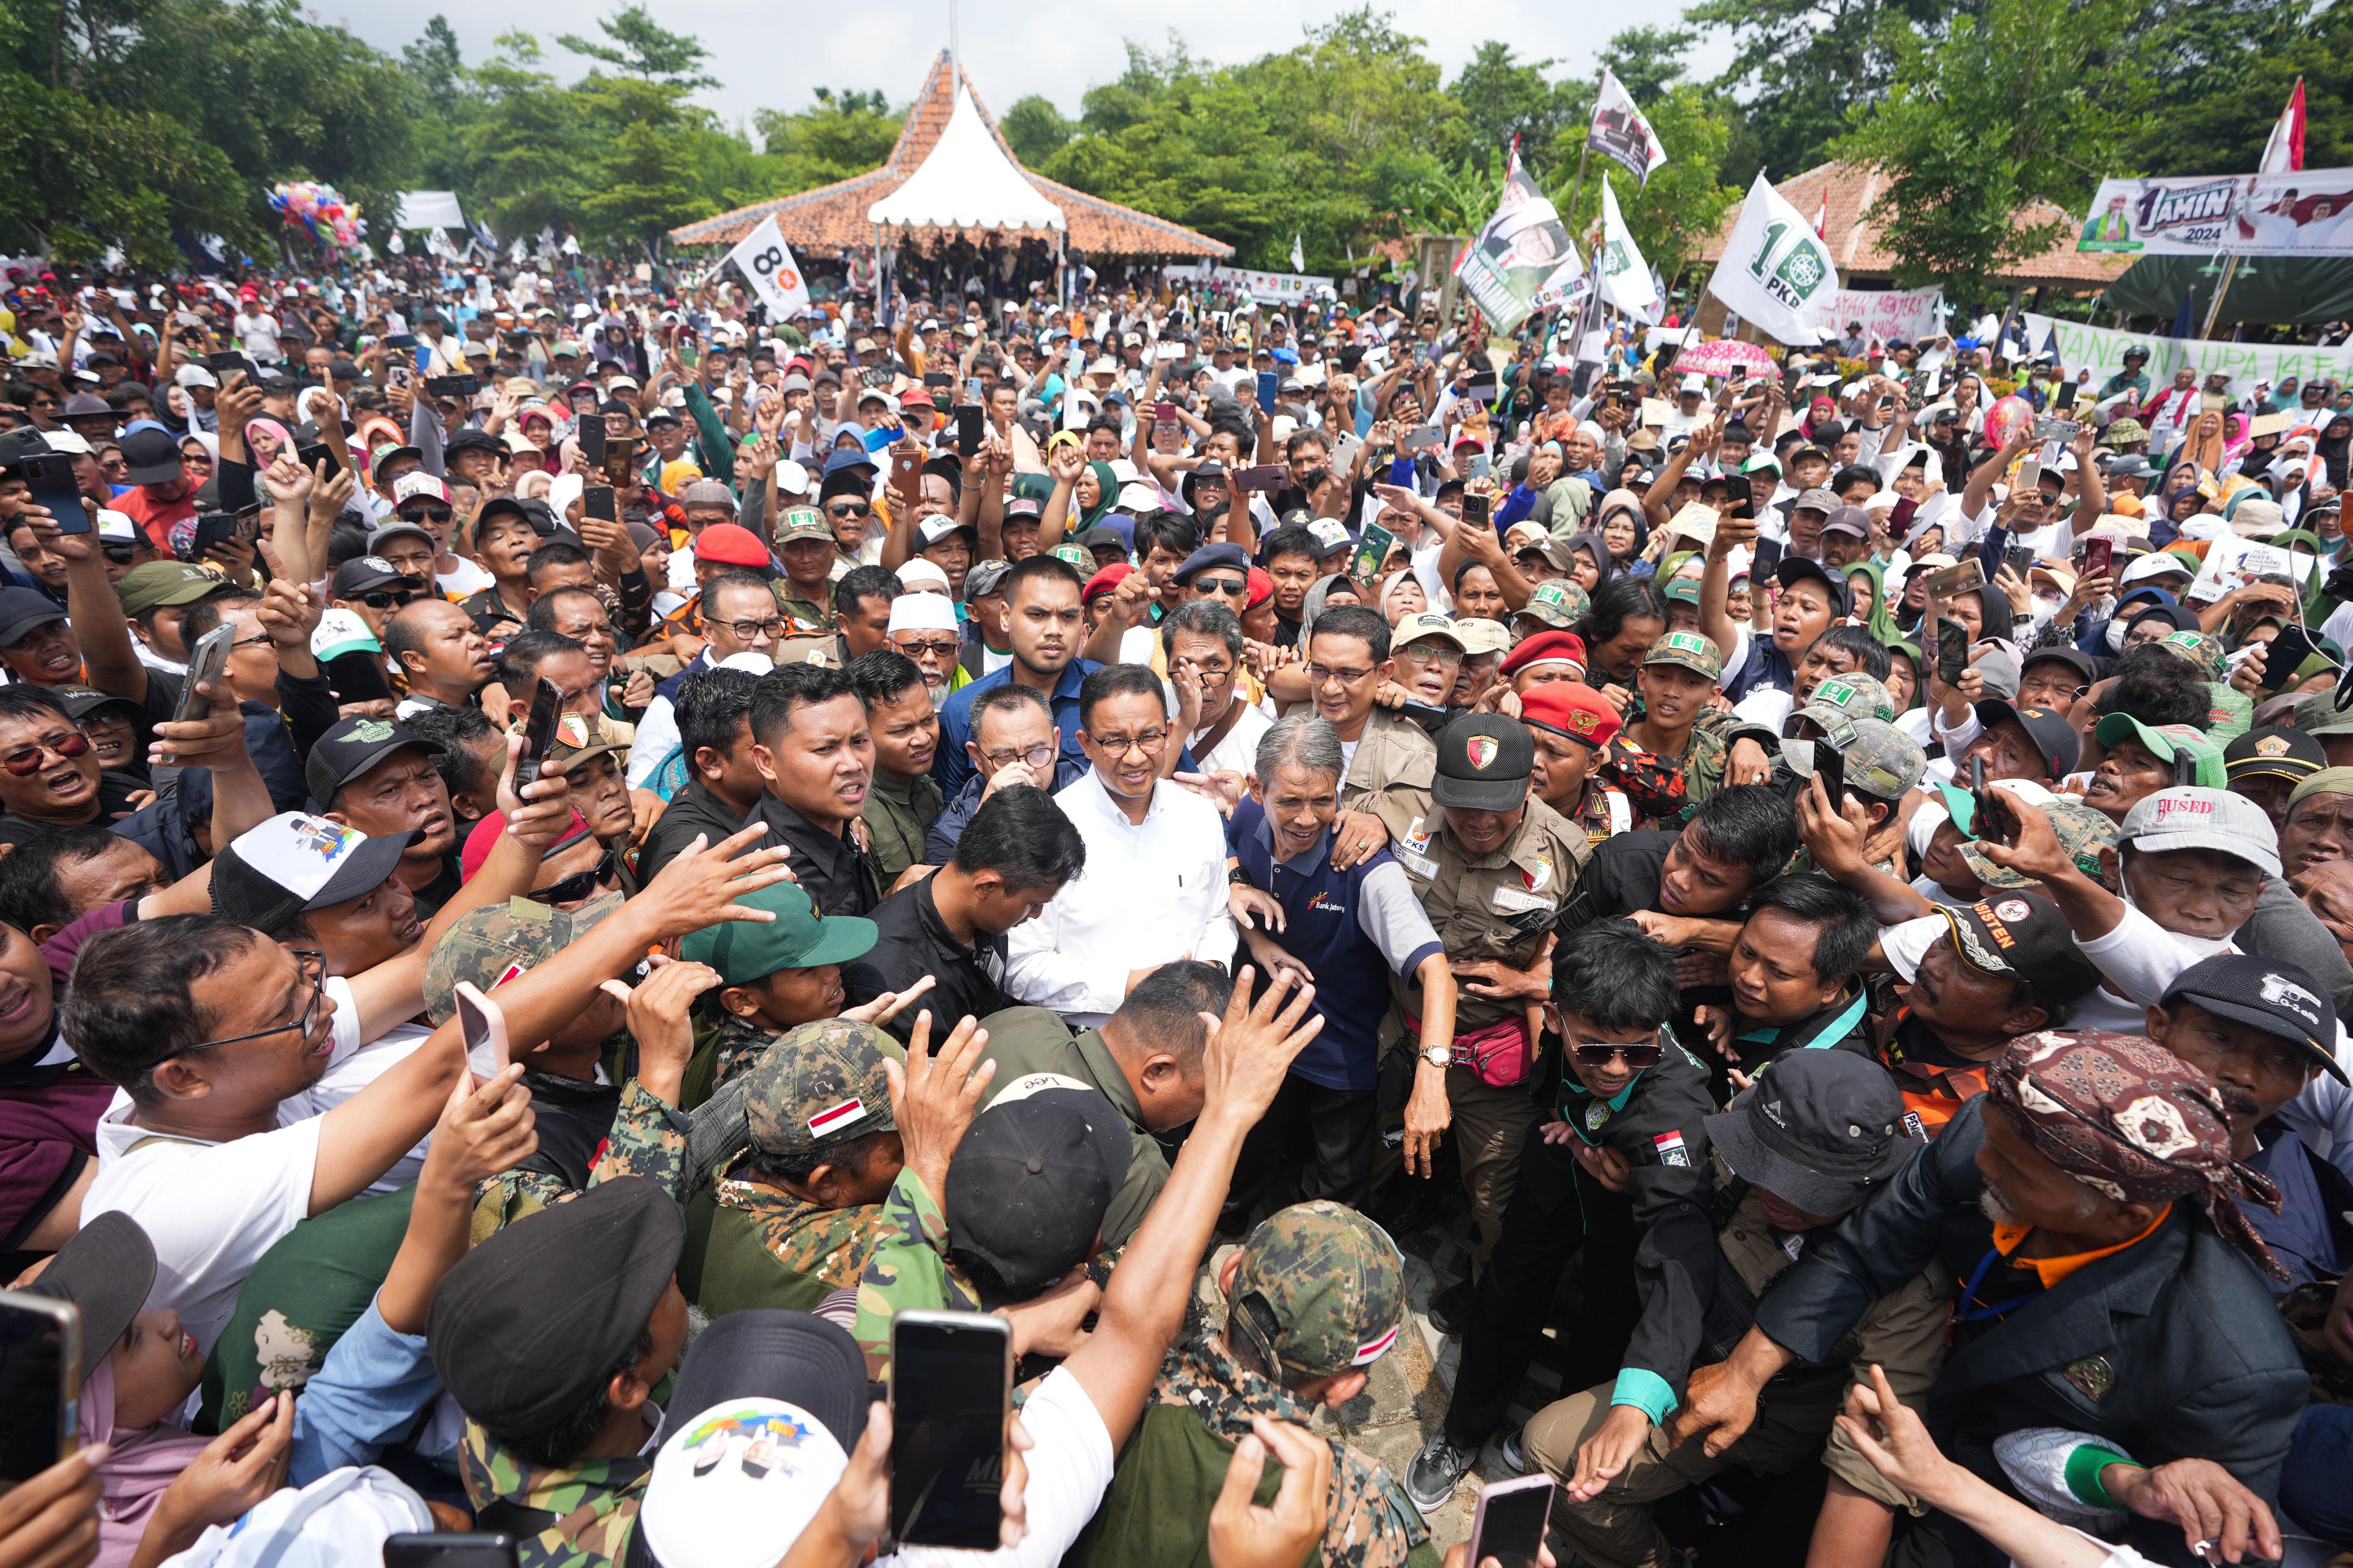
{"points": [[2187, 818], [116, 527], [792, 478], [920, 572], [194, 375], [2155, 564], [68, 442], [922, 613], [735, 1487]]}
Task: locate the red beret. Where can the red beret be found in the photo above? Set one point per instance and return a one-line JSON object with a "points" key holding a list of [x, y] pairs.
{"points": [[1262, 587], [1573, 709], [730, 545], [1544, 647], [1105, 580]]}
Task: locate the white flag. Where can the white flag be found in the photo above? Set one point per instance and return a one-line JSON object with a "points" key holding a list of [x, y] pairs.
{"points": [[1625, 276], [1619, 131], [1298, 257], [1775, 267], [767, 261]]}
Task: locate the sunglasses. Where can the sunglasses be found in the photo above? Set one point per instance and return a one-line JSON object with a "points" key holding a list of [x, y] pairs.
{"points": [[849, 509], [575, 886], [26, 761], [390, 598], [427, 514], [1233, 587], [1600, 1054]]}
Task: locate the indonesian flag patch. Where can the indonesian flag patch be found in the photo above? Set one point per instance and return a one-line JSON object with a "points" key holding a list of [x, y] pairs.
{"points": [[1670, 1146], [835, 1116], [511, 971], [1372, 1349]]}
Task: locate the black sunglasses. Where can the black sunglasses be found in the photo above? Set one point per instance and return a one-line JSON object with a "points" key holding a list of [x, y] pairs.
{"points": [[390, 598], [577, 886]]}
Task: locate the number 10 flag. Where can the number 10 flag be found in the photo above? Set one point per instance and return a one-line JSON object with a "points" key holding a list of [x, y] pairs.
{"points": [[767, 262]]}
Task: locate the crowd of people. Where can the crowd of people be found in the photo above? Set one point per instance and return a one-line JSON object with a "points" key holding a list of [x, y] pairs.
{"points": [[572, 856]]}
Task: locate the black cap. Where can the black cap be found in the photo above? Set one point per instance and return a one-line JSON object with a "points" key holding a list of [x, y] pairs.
{"points": [[350, 748], [2273, 751], [768, 1353], [1793, 567], [151, 456], [2277, 998], [1032, 1180], [83, 700], [2074, 658], [1484, 762], [363, 572], [2021, 938], [106, 1269], [22, 610], [2052, 734], [1818, 1130], [529, 1324]]}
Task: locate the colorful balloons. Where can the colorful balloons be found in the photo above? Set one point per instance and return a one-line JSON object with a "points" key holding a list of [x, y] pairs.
{"points": [[2007, 416], [332, 221]]}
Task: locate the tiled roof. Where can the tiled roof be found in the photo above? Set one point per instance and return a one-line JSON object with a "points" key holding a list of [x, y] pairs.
{"points": [[1854, 241], [831, 219]]}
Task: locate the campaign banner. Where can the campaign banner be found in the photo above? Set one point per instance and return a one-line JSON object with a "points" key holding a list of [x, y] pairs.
{"points": [[1619, 132], [1263, 288], [1625, 275], [1886, 314], [1522, 259], [2232, 563], [2101, 351], [1775, 267], [2298, 214]]}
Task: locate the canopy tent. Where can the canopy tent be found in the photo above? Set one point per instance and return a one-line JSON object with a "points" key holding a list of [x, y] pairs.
{"points": [[967, 181], [2263, 288]]}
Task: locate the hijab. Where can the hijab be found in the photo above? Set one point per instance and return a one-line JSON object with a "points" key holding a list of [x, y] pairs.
{"points": [[1106, 497], [2205, 443], [1313, 604], [1591, 543], [140, 1464], [1881, 622]]}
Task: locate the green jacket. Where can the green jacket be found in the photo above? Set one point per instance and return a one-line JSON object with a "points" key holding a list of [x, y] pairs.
{"points": [[1027, 1040], [595, 1501]]}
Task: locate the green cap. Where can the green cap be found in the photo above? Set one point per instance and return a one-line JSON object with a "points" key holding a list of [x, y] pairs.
{"points": [[2233, 715], [498, 942], [1882, 761], [2317, 715], [802, 523], [798, 938], [1683, 591], [1320, 1290], [2164, 740], [2082, 832], [1849, 696], [1557, 603], [1691, 650], [159, 583], [819, 1087]]}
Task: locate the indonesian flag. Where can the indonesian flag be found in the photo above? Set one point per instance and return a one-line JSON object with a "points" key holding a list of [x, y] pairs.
{"points": [[1822, 215], [2284, 153]]}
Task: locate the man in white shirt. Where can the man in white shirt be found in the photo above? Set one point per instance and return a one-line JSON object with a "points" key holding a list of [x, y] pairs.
{"points": [[1154, 886]]}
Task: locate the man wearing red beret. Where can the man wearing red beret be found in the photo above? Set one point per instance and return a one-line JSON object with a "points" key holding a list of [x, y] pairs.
{"points": [[1545, 658], [1573, 725]]}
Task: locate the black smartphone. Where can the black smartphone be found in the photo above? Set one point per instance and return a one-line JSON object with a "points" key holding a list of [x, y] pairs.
{"points": [[1829, 762], [471, 1549], [2185, 769], [968, 418], [938, 378], [316, 453], [538, 730], [1739, 499], [452, 385], [596, 501], [951, 1385], [40, 1383], [1996, 823], [1952, 651], [51, 478], [1268, 384], [1768, 556], [2018, 558], [222, 528], [207, 660], [227, 361], [2285, 655], [1476, 509], [590, 433], [1510, 1524], [1976, 775], [404, 342]]}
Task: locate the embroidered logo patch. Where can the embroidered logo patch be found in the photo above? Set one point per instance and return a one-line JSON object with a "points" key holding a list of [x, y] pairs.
{"points": [[1670, 1146], [1481, 750]]}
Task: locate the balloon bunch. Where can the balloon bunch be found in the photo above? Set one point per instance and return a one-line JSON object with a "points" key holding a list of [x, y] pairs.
{"points": [[332, 221]]}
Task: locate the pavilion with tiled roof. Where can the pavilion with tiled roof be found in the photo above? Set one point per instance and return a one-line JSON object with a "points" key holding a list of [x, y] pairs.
{"points": [[830, 219]]}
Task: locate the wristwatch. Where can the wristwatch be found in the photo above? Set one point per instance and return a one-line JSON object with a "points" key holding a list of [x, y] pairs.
{"points": [[1439, 1056], [1237, 877]]}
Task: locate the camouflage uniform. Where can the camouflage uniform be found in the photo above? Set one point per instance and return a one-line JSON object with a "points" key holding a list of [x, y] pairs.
{"points": [[750, 1244], [1663, 788], [908, 1270], [595, 1501], [1319, 1289], [1882, 761], [802, 618], [736, 1045], [1557, 603]]}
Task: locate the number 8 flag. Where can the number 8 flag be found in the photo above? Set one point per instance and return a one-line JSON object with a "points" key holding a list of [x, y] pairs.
{"points": [[767, 262]]}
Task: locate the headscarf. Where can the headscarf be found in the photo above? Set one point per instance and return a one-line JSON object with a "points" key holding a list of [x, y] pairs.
{"points": [[1106, 495], [2133, 1122], [141, 1465], [1881, 622], [1313, 604], [1592, 544], [2205, 443], [1627, 501]]}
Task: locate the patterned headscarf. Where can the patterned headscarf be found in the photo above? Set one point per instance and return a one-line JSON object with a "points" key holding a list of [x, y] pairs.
{"points": [[2132, 1120]]}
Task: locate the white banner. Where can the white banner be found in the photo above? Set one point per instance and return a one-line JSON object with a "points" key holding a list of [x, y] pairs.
{"points": [[1522, 259], [1619, 132], [1263, 288], [2101, 352], [1776, 267], [1624, 276], [429, 209], [767, 263], [1886, 314], [2232, 563], [2300, 214]]}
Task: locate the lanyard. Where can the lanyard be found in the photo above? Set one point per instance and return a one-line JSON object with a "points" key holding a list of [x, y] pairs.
{"points": [[1964, 1311]]}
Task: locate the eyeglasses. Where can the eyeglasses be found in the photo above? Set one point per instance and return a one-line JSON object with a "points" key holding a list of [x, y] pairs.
{"points": [[1636, 1054], [1320, 674], [1233, 587], [314, 973], [120, 554], [575, 886], [26, 761], [1035, 757], [943, 647], [1120, 745], [746, 630], [848, 509], [427, 514], [1433, 653], [390, 598]]}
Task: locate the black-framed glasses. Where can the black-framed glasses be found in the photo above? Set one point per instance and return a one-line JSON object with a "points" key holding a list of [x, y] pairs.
{"points": [[848, 509], [577, 886], [315, 971], [26, 761], [1636, 1054], [946, 647], [1120, 745], [746, 630]]}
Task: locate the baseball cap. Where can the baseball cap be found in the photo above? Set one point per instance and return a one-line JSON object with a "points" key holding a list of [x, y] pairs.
{"points": [[1689, 649], [1477, 634], [419, 483], [578, 738], [83, 700], [2272, 752], [1817, 499], [2052, 735], [106, 1269], [2020, 937], [22, 610], [2164, 743], [498, 942], [707, 492], [350, 748], [1573, 709], [983, 579], [157, 584], [1331, 535], [1421, 623], [527, 1325], [731, 544], [819, 1087], [1851, 520], [1817, 1130], [386, 455], [1031, 1181], [798, 938], [932, 530], [2191, 817], [296, 862], [1557, 603], [1846, 697], [1795, 567], [362, 574], [150, 457], [1485, 762], [1882, 761], [1318, 1289], [2277, 998], [393, 528], [2082, 832]]}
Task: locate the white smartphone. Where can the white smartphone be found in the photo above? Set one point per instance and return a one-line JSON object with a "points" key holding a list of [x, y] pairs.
{"points": [[483, 1025]]}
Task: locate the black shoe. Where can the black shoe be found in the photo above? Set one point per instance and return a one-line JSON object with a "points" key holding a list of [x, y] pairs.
{"points": [[1516, 1455], [1450, 1309], [1430, 1479]]}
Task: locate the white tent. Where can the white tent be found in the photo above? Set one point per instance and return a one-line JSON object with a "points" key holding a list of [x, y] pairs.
{"points": [[967, 181]]}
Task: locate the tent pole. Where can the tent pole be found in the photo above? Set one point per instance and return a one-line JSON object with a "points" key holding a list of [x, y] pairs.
{"points": [[2221, 289]]}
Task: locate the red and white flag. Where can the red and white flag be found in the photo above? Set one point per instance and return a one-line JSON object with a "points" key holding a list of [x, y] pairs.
{"points": [[2284, 153], [1823, 216]]}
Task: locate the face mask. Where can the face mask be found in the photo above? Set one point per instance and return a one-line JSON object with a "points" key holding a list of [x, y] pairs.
{"points": [[2115, 636], [2045, 606]]}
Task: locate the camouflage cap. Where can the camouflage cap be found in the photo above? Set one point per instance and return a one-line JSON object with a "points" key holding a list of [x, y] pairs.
{"points": [[2318, 715], [1882, 761], [492, 945], [1691, 650], [2123, 432], [1849, 696], [819, 1087], [802, 523], [2082, 832], [577, 738], [1320, 1290], [2200, 648], [1556, 602]]}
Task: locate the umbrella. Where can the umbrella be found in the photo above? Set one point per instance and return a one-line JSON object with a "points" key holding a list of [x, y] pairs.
{"points": [[1717, 358]]}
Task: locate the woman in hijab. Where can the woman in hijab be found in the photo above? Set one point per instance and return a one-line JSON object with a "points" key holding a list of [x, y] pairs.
{"points": [[1867, 580], [2204, 445], [2335, 447], [1624, 534], [1326, 594], [1591, 566], [265, 438]]}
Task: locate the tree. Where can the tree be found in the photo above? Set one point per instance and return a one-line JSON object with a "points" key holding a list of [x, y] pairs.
{"points": [[838, 136], [1499, 97], [645, 50], [1800, 64], [2224, 70], [2021, 103], [641, 184], [1683, 204], [1647, 61], [435, 63], [1035, 130]]}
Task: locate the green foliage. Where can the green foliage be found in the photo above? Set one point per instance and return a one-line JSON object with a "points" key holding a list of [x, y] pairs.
{"points": [[2224, 68], [2020, 103], [839, 135], [1498, 97], [1799, 64], [1035, 130], [642, 47]]}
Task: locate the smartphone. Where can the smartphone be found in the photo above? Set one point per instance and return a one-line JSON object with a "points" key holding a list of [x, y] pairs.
{"points": [[220, 528], [316, 453], [538, 730], [51, 478], [596, 501], [1509, 1526], [1976, 775], [590, 432], [1768, 556], [452, 385], [1996, 823], [1266, 480], [1169, 351], [227, 361], [397, 375], [472, 1549], [879, 376], [1372, 552], [1830, 765], [2285, 655], [1739, 497], [951, 1385], [484, 1027], [2029, 476], [1952, 651], [2185, 769], [2056, 429], [1419, 439], [1951, 580], [881, 437], [968, 423], [1481, 467], [936, 378], [1267, 382], [2099, 555], [1476, 509], [403, 342], [40, 1383], [207, 661], [2020, 558]]}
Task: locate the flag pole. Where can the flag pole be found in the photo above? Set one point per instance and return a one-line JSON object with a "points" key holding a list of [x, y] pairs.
{"points": [[1576, 191]]}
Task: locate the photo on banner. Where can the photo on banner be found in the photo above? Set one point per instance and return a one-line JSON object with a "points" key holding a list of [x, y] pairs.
{"points": [[1522, 259], [1619, 132], [2298, 214]]}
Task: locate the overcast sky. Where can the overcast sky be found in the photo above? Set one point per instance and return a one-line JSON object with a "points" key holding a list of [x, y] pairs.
{"points": [[769, 55]]}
